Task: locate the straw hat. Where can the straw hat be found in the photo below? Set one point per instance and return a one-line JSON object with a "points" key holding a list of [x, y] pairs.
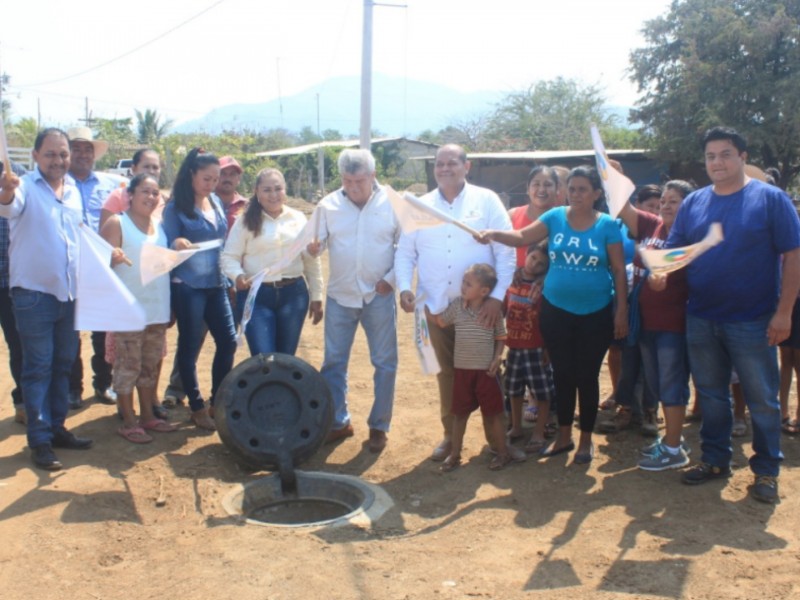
{"points": [[84, 134]]}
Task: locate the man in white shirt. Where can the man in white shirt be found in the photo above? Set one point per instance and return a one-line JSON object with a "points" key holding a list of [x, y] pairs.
{"points": [[442, 254], [360, 231]]}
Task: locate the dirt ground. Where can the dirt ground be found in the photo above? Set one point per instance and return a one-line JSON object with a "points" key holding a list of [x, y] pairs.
{"points": [[542, 529]]}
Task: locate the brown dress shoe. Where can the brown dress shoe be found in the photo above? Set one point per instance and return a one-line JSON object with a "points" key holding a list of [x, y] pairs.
{"points": [[339, 434], [377, 440]]}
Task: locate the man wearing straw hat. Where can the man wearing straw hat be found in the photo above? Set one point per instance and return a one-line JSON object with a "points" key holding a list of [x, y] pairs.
{"points": [[44, 212], [94, 188], [442, 254]]}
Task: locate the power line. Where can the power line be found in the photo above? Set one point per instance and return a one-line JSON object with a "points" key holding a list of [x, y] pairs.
{"points": [[129, 52]]}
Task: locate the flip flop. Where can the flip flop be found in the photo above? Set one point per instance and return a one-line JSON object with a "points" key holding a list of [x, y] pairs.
{"points": [[135, 434], [515, 438], [739, 428], [499, 462], [534, 446], [450, 464], [159, 425], [608, 404], [584, 458], [790, 426], [551, 450]]}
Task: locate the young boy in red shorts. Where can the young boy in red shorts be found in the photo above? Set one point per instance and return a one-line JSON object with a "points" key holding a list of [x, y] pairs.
{"points": [[477, 356]]}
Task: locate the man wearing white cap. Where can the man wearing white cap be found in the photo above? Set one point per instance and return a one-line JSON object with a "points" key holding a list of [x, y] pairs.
{"points": [[94, 187]]}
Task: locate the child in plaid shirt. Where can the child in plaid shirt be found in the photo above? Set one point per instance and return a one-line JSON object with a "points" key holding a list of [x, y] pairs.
{"points": [[527, 363]]}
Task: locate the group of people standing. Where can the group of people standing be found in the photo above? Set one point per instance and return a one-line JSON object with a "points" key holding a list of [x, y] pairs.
{"points": [[564, 296]]}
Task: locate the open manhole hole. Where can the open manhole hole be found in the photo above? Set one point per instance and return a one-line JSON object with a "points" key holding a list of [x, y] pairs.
{"points": [[274, 411], [320, 499]]}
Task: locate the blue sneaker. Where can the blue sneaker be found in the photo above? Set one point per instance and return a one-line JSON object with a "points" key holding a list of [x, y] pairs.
{"points": [[651, 448], [662, 460]]}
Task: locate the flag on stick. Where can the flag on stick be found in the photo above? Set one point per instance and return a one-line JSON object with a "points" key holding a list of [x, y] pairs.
{"points": [[413, 214], [617, 187], [671, 259], [103, 302]]}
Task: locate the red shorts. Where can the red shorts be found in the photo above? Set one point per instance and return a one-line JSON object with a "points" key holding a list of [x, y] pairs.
{"points": [[473, 388]]}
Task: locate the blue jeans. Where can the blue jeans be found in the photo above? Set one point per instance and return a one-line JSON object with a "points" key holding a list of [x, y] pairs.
{"points": [[628, 388], [378, 318], [49, 345], [193, 307], [715, 349], [666, 366], [277, 318], [9, 326]]}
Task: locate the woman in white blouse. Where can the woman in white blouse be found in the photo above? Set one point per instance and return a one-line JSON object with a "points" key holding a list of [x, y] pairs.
{"points": [[259, 238]]}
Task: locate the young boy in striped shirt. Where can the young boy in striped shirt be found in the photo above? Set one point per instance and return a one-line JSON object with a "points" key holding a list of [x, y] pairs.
{"points": [[477, 355]]}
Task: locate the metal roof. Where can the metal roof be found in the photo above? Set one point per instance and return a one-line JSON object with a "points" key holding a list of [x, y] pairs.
{"points": [[541, 154], [333, 143]]}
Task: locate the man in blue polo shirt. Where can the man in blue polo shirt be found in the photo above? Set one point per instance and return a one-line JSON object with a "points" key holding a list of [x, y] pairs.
{"points": [[44, 213], [94, 188], [741, 295]]}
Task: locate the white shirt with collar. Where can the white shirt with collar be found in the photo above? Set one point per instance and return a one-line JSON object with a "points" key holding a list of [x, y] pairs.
{"points": [[361, 243], [442, 254]]}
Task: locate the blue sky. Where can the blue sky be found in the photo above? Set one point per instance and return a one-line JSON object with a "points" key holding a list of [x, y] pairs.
{"points": [[199, 54]]}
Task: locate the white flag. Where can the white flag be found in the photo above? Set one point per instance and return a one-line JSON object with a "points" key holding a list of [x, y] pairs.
{"points": [[413, 214], [422, 339], [617, 187], [103, 302], [157, 260], [671, 259]]}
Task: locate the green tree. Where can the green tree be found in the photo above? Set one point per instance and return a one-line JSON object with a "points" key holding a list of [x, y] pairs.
{"points": [[731, 62], [149, 127], [23, 133], [547, 115], [120, 138]]}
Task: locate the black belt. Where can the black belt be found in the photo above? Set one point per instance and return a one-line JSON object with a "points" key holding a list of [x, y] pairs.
{"points": [[282, 282]]}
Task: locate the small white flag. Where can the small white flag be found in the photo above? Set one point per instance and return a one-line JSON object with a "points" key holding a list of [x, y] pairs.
{"points": [[413, 214], [157, 260], [103, 302], [671, 259], [617, 187]]}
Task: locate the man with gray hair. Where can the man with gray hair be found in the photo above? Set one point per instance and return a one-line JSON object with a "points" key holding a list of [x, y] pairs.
{"points": [[358, 227]]}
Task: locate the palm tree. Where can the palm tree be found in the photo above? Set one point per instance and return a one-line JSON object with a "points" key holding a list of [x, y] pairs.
{"points": [[148, 127]]}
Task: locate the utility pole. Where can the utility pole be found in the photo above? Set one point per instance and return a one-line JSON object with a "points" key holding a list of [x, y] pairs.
{"points": [[320, 158], [87, 115], [365, 137]]}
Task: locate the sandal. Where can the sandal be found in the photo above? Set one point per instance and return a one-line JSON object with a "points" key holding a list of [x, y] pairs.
{"points": [[159, 425], [135, 434], [790, 426], [499, 462], [739, 428], [534, 446], [515, 437], [451, 463], [608, 404]]}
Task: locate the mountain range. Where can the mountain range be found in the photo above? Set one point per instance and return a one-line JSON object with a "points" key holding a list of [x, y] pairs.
{"points": [[400, 107]]}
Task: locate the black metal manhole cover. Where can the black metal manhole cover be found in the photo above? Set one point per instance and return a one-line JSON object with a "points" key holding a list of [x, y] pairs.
{"points": [[273, 411]]}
